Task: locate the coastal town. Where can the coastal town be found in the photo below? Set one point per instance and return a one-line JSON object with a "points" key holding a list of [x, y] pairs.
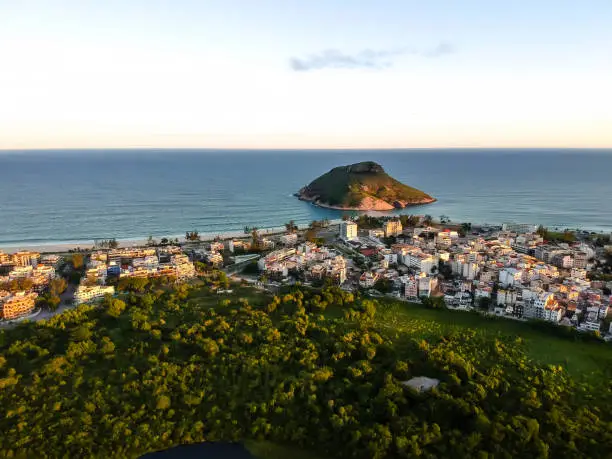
{"points": [[515, 271]]}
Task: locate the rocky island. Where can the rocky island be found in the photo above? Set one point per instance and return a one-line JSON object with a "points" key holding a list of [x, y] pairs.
{"points": [[361, 186]]}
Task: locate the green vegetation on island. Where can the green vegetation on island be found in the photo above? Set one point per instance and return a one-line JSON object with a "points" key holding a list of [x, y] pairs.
{"points": [[317, 370], [361, 186]]}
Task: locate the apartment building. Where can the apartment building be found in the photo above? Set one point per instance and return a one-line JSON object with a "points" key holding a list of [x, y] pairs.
{"points": [[392, 228], [274, 257], [51, 260], [419, 261], [333, 268], [591, 323], [18, 305], [21, 272], [215, 258], [470, 270], [217, 246], [85, 294], [446, 238], [348, 231], [410, 287], [426, 285], [118, 254], [543, 307], [182, 266], [520, 228], [510, 276], [25, 258], [506, 297], [368, 279], [289, 239], [238, 244], [580, 260]]}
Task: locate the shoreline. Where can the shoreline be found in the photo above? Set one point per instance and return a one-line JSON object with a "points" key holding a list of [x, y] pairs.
{"points": [[65, 246]]}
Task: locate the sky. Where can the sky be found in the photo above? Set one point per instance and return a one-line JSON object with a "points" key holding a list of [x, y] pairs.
{"points": [[305, 74]]}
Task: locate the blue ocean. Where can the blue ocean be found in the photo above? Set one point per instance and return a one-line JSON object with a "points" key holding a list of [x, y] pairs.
{"points": [[79, 195]]}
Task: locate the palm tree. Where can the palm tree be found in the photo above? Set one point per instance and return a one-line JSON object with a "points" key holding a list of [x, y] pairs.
{"points": [[192, 236], [427, 219], [291, 226], [256, 244]]}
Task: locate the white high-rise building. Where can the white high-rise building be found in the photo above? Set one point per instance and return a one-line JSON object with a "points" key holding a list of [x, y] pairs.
{"points": [[348, 231]]}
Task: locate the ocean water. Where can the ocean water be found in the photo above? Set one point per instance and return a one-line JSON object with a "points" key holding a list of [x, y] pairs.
{"points": [[67, 196]]}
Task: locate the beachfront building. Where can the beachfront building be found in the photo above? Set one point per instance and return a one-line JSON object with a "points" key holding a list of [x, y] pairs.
{"points": [[238, 245], [130, 253], [348, 231], [85, 294], [25, 258], [392, 228], [289, 239], [376, 232], [18, 305], [4, 258], [520, 228]]}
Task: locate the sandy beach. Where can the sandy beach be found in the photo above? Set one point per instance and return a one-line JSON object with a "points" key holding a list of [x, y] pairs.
{"points": [[55, 247]]}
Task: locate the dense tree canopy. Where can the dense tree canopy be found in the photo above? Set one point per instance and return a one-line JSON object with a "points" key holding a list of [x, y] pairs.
{"points": [[155, 368]]}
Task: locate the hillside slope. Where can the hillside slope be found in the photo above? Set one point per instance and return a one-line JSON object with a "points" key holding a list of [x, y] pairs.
{"points": [[361, 186]]}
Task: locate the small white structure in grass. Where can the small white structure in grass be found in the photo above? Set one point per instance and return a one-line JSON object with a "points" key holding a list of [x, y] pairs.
{"points": [[421, 383]]}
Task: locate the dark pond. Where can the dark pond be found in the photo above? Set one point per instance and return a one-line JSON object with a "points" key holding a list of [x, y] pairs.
{"points": [[203, 451]]}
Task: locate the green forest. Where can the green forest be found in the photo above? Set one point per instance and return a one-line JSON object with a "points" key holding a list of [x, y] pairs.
{"points": [[320, 371]]}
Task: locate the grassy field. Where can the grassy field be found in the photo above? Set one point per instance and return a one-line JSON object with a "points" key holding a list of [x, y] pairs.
{"points": [[584, 360]]}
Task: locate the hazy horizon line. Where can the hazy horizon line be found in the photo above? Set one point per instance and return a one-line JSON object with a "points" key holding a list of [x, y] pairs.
{"points": [[314, 150]]}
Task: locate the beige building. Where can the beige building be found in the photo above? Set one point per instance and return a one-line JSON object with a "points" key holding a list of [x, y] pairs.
{"points": [[348, 231], [25, 258], [392, 228], [18, 305]]}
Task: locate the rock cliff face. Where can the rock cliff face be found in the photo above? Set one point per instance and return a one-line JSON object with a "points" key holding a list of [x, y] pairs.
{"points": [[361, 186]]}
